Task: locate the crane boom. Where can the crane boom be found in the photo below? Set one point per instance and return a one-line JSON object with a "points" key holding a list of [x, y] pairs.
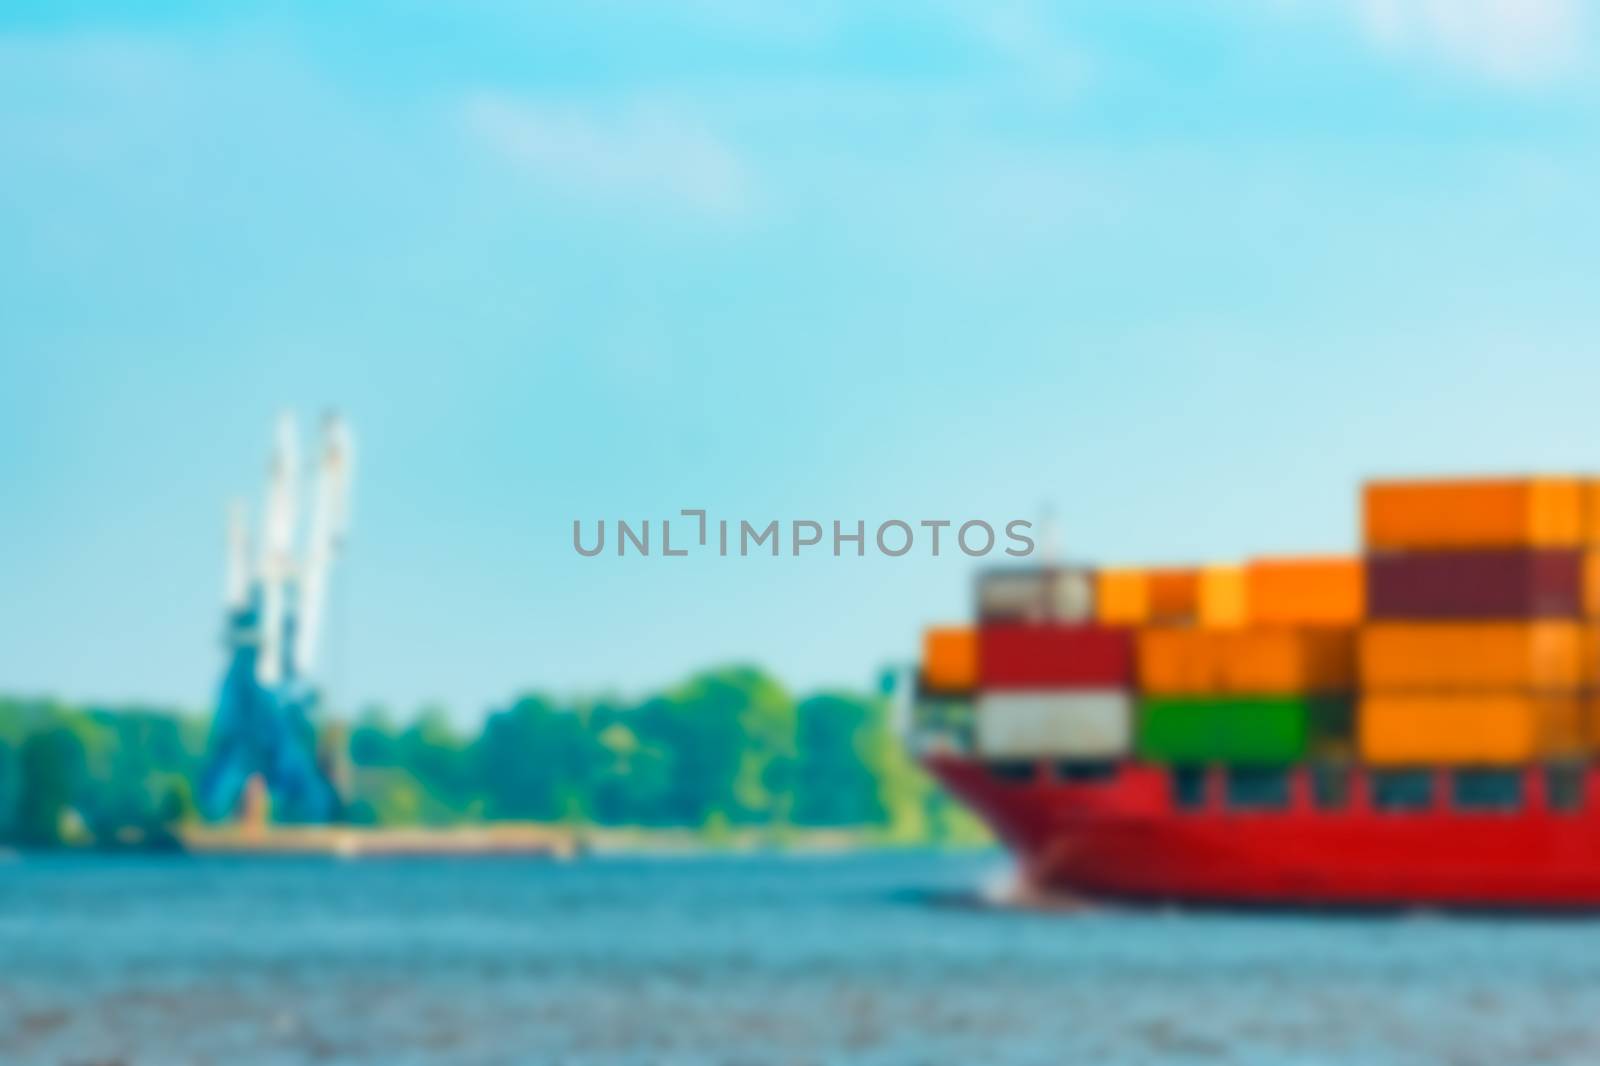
{"points": [[277, 547], [236, 583], [329, 520]]}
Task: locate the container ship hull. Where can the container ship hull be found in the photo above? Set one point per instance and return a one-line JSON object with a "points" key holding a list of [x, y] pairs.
{"points": [[1121, 837]]}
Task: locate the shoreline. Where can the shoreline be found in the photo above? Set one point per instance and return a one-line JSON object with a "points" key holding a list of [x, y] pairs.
{"points": [[553, 842]]}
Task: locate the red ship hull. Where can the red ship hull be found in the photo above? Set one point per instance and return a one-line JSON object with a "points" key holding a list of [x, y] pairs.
{"points": [[1123, 837]]}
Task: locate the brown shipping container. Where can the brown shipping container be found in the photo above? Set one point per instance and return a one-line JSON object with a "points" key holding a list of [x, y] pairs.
{"points": [[1482, 513], [1439, 657], [1475, 584], [1308, 591], [1500, 729], [950, 659]]}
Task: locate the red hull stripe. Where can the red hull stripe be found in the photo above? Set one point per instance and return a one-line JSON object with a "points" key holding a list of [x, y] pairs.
{"points": [[1123, 838]]}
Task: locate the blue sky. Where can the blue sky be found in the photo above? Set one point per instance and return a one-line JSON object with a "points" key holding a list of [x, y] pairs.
{"points": [[1184, 273]]}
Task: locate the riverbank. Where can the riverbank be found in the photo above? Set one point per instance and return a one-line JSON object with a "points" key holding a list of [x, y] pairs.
{"points": [[554, 841]]}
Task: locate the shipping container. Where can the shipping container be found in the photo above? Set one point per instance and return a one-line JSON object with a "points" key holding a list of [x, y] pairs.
{"points": [[1489, 584], [1591, 583], [1121, 597], [1305, 591], [1488, 513], [1489, 729], [1177, 661], [1091, 723], [1054, 594], [1446, 656], [1053, 655], [1591, 511], [1241, 730], [950, 659], [1174, 595], [1223, 602], [1290, 659], [1277, 660]]}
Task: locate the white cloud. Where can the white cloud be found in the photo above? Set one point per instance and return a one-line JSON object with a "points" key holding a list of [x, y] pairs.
{"points": [[1517, 42], [646, 151]]}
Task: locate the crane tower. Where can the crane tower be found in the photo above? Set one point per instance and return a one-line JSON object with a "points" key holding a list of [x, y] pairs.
{"points": [[264, 726]]}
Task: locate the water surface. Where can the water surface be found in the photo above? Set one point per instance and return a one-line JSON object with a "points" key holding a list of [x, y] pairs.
{"points": [[871, 959]]}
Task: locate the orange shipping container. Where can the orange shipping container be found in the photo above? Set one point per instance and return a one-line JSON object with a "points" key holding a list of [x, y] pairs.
{"points": [[1222, 597], [950, 659], [1174, 595], [1121, 597], [1589, 724], [1589, 655], [1591, 583], [1246, 662], [1408, 656], [1494, 730], [1591, 511], [1308, 591], [1488, 513], [1306, 659], [1181, 662]]}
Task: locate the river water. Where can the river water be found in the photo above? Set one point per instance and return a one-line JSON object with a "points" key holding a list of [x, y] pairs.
{"points": [[864, 959]]}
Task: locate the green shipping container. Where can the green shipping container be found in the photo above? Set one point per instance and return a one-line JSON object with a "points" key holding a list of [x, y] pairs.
{"points": [[1247, 730]]}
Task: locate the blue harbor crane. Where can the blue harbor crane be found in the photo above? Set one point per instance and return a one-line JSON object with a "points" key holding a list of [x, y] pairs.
{"points": [[266, 709]]}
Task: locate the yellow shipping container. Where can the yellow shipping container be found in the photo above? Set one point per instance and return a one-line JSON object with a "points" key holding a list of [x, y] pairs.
{"points": [[1222, 597], [1121, 597], [1305, 591], [1417, 656], [950, 659], [1490, 730], [1486, 513]]}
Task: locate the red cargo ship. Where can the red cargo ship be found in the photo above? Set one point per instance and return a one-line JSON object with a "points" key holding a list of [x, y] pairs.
{"points": [[1133, 831], [1412, 726]]}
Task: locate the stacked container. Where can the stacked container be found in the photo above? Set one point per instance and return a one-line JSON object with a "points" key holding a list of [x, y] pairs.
{"points": [[1262, 682], [1052, 682], [945, 688], [1475, 651]]}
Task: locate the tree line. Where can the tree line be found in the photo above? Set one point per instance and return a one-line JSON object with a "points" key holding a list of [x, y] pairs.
{"points": [[726, 749]]}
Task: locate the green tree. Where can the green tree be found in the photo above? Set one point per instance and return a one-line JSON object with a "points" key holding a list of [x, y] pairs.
{"points": [[372, 739], [731, 735], [835, 781], [534, 761], [440, 761], [50, 766]]}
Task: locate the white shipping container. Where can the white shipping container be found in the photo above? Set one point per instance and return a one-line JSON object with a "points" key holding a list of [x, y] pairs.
{"points": [[1059, 595], [1086, 723]]}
